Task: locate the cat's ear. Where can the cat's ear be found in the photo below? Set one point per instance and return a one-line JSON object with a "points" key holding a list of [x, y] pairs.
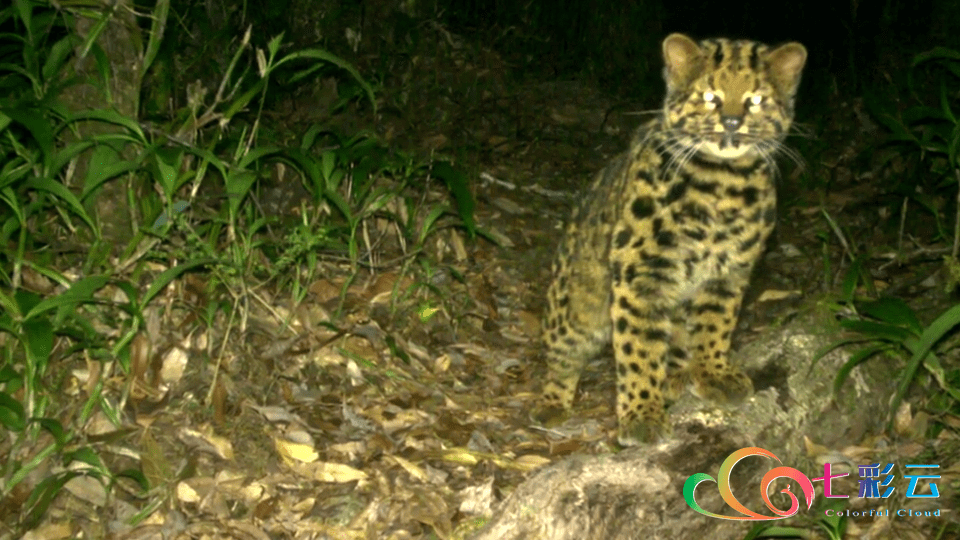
{"points": [[785, 64], [683, 60]]}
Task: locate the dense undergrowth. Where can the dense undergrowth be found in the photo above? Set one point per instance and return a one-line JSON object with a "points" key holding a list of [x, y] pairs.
{"points": [[187, 193]]}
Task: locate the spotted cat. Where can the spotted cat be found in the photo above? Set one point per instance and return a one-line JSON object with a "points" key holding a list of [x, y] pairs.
{"points": [[658, 255]]}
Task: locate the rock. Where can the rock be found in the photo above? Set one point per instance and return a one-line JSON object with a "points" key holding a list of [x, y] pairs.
{"points": [[638, 493]]}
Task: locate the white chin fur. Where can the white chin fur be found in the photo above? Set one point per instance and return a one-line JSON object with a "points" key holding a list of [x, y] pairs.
{"points": [[729, 152]]}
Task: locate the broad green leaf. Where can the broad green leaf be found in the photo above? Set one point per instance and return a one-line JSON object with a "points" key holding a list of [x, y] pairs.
{"points": [[43, 494], [105, 165], [50, 273], [132, 293], [310, 137], [856, 359], [318, 54], [167, 167], [12, 414], [137, 476], [892, 310], [102, 62], [93, 33], [935, 54], [36, 124], [38, 342], [328, 160], [5, 120], [953, 150], [55, 429], [10, 197], [110, 116], [937, 329], [377, 200], [850, 279], [309, 167], [240, 102], [37, 84], [238, 187], [158, 24], [431, 218], [876, 330], [8, 307], [26, 300], [457, 182], [209, 157], [922, 113], [945, 103], [85, 454], [274, 44], [169, 275], [368, 167], [823, 351], [25, 11], [954, 68], [341, 204], [80, 292], [65, 155], [257, 153], [57, 57]]}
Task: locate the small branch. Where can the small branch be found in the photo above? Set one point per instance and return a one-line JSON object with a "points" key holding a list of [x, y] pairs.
{"points": [[956, 222]]}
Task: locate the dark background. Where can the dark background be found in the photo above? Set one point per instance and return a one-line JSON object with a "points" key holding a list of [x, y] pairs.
{"points": [[852, 44]]}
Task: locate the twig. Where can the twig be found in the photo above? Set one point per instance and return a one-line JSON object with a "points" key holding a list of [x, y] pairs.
{"points": [[838, 233], [903, 224], [956, 223]]}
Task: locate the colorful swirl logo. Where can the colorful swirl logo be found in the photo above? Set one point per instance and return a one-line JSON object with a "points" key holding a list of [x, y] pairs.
{"points": [[690, 486]]}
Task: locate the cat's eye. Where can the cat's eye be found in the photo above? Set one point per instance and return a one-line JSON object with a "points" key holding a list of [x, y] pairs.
{"points": [[709, 97], [756, 100]]}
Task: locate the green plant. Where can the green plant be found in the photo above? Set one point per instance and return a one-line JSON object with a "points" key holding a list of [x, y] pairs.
{"points": [[890, 326], [45, 330], [192, 190], [42, 331], [360, 180], [927, 133]]}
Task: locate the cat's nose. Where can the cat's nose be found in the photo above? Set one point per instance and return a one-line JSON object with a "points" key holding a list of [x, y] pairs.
{"points": [[731, 123]]}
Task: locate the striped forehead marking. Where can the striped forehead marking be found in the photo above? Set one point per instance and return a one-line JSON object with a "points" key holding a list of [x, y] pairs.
{"points": [[734, 55]]}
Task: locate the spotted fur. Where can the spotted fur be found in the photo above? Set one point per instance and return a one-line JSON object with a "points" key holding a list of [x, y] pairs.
{"points": [[657, 256]]}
